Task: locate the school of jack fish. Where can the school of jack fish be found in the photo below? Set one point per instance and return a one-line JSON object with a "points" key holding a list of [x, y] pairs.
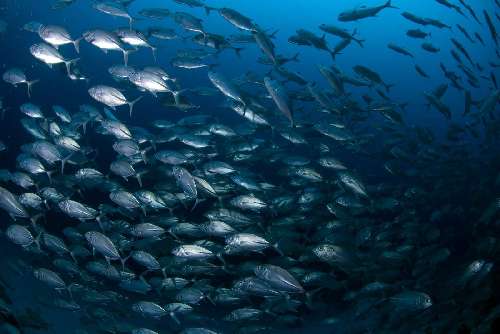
{"points": [[200, 226]]}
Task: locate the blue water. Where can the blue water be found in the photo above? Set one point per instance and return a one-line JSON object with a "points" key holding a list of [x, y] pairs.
{"points": [[284, 16]]}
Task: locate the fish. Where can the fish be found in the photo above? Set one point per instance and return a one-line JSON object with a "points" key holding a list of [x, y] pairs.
{"points": [[491, 27], [135, 39], [430, 47], [16, 76], [421, 71], [106, 41], [50, 56], [424, 21], [114, 9], [417, 33], [195, 4], [155, 13], [470, 10], [162, 33], [237, 19], [57, 36], [217, 42], [462, 49], [363, 12], [153, 82], [280, 97], [448, 4], [266, 45], [189, 22], [11, 205], [255, 191], [344, 34], [400, 50], [226, 87], [465, 33], [371, 76], [412, 300], [111, 97]]}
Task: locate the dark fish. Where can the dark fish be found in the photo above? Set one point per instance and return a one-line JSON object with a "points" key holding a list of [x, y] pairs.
{"points": [[339, 47], [280, 97], [429, 47], [399, 50], [265, 44], [440, 106], [462, 49], [468, 102], [417, 33], [465, 33], [363, 12], [237, 19], [217, 42], [421, 71], [491, 27], [414, 18], [452, 76], [371, 75], [478, 37], [342, 33], [494, 80], [448, 4], [195, 4], [455, 56], [316, 41], [440, 90], [438, 24], [471, 11]]}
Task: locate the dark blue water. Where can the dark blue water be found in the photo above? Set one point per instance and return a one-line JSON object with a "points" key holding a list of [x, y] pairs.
{"points": [[459, 187]]}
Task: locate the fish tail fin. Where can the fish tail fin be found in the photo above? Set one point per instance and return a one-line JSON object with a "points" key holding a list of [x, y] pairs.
{"points": [[238, 51], [333, 54], [68, 288], [63, 162], [174, 317], [131, 105], [138, 176], [49, 175], [388, 4], [126, 53], [196, 201], [208, 9], [73, 257], [295, 57], [30, 84], [360, 42], [123, 261], [76, 44], [68, 64], [153, 51], [176, 95], [277, 249], [273, 34], [33, 220], [144, 156]]}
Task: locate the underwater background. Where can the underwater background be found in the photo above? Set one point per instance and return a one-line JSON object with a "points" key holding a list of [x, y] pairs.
{"points": [[369, 193]]}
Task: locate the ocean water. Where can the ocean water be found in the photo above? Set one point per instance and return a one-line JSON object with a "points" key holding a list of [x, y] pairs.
{"points": [[418, 218]]}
